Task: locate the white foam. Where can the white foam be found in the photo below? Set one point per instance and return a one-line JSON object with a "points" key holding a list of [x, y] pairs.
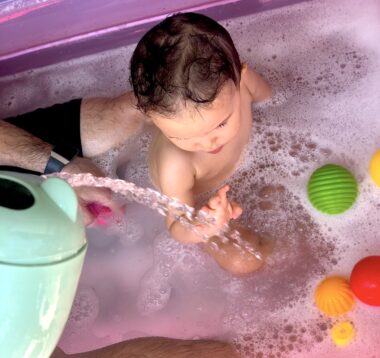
{"points": [[85, 308]]}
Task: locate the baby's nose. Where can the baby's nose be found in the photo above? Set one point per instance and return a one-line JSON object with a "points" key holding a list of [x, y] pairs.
{"points": [[215, 141], [211, 143]]}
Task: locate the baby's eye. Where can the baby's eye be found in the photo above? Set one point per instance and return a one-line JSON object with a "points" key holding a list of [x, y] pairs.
{"points": [[222, 124]]}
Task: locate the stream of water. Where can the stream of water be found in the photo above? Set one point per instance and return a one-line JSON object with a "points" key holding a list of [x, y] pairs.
{"points": [[164, 205]]}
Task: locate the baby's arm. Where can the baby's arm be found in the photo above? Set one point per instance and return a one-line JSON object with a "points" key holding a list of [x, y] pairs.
{"points": [[256, 85], [177, 180]]}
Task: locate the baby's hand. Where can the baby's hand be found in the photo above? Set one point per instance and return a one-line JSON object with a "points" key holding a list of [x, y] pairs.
{"points": [[223, 211]]}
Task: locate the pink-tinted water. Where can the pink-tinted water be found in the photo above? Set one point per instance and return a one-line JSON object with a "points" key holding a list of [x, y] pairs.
{"points": [[322, 58]]}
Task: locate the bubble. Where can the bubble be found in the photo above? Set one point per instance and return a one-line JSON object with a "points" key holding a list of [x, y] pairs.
{"points": [[133, 231], [85, 308], [153, 296], [266, 205]]}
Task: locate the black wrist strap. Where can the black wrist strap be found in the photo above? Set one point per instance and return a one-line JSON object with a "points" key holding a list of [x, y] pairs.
{"points": [[60, 155]]}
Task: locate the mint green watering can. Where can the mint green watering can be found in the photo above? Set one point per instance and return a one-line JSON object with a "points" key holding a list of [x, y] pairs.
{"points": [[42, 248]]}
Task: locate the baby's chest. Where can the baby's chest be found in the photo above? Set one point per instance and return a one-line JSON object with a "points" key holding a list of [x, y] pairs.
{"points": [[211, 172]]}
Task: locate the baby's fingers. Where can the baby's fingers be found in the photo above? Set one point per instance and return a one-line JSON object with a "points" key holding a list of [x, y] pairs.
{"points": [[222, 192], [206, 209], [87, 215], [222, 196], [236, 210], [214, 202]]}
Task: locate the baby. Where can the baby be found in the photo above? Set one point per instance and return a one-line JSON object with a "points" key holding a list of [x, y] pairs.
{"points": [[188, 79]]}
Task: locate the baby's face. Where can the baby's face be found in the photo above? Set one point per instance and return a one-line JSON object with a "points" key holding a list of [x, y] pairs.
{"points": [[206, 129]]}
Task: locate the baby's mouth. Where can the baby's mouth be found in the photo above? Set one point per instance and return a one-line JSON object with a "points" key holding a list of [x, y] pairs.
{"points": [[217, 150]]}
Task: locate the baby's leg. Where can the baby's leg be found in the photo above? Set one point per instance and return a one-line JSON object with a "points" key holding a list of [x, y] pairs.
{"points": [[238, 260]]}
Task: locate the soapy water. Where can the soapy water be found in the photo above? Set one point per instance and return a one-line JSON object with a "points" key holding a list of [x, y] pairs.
{"points": [[322, 57]]}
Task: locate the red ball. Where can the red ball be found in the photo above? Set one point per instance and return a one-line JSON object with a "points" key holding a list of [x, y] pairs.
{"points": [[365, 280]]}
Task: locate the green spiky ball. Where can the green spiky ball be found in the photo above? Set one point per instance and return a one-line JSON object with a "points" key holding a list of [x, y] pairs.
{"points": [[332, 189]]}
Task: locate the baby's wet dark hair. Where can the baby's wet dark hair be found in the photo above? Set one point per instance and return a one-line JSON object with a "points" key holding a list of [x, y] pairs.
{"points": [[188, 57]]}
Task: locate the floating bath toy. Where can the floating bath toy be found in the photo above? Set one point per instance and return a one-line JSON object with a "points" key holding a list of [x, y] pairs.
{"points": [[374, 168], [342, 333], [332, 189], [365, 280], [334, 296]]}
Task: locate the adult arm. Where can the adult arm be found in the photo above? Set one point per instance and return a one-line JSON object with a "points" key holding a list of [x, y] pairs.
{"points": [[20, 149], [105, 123]]}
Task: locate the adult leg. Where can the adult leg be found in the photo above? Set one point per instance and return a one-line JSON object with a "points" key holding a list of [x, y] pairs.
{"points": [[108, 122], [56, 124]]}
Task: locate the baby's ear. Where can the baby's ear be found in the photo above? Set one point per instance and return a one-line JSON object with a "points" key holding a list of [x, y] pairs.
{"points": [[147, 120], [244, 68], [243, 74]]}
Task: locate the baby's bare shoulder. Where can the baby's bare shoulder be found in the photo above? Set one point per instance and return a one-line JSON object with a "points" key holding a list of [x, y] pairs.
{"points": [[175, 169], [256, 85]]}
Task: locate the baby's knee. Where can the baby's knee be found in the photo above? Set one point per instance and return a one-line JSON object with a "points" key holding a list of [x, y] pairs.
{"points": [[241, 264], [242, 261]]}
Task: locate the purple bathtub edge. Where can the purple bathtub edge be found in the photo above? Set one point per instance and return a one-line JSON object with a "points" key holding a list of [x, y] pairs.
{"points": [[117, 36]]}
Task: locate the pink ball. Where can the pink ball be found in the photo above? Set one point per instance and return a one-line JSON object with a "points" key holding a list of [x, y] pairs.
{"points": [[365, 280]]}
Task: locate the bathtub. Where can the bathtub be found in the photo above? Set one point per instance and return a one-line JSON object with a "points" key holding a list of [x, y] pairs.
{"points": [[35, 33], [322, 59]]}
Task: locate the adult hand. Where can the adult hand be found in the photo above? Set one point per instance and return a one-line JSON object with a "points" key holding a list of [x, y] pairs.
{"points": [[87, 195]]}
